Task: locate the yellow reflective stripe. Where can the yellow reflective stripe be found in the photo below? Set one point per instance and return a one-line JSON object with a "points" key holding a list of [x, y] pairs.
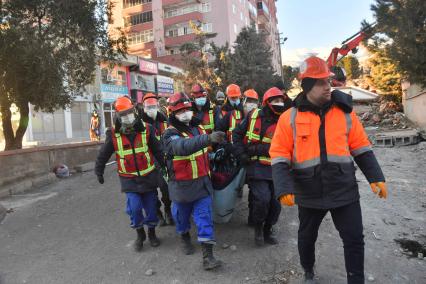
{"points": [[211, 118], [251, 135], [261, 158], [190, 157]]}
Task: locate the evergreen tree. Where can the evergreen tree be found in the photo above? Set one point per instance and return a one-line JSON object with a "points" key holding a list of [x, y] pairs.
{"points": [[48, 53], [383, 75], [289, 74], [351, 66], [221, 66], [401, 30], [251, 65]]}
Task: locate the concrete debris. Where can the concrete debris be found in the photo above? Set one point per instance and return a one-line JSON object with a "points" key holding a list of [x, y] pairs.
{"points": [[149, 272], [371, 278], [233, 247], [387, 115], [225, 246]]}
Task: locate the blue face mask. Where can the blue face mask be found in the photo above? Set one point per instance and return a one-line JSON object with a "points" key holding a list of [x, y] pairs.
{"points": [[235, 103], [200, 101]]}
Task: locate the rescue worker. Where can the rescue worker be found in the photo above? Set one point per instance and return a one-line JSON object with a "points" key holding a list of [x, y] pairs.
{"points": [[231, 112], [252, 139], [95, 134], [312, 153], [190, 187], [136, 148], [220, 98], [205, 114], [151, 114]]}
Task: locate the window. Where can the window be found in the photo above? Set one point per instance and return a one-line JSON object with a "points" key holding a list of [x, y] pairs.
{"points": [[142, 37], [175, 31], [208, 27], [131, 3], [235, 29], [182, 11], [138, 19], [234, 9], [241, 16], [206, 7], [173, 51]]}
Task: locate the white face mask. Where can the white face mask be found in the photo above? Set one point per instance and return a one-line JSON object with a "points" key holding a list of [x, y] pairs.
{"points": [[278, 104], [185, 117], [128, 119], [249, 106], [151, 112]]}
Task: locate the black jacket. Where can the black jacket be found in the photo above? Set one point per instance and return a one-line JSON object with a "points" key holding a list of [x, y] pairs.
{"points": [[134, 184], [255, 169], [223, 121], [176, 145], [199, 114], [327, 185]]}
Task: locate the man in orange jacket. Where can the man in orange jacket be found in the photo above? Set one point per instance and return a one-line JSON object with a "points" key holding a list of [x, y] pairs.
{"points": [[312, 153]]}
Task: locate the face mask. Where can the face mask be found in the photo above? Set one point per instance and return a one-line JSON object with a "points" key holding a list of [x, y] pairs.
{"points": [[278, 108], [185, 117], [151, 112], [220, 102], [249, 106], [200, 101], [235, 103], [128, 119]]}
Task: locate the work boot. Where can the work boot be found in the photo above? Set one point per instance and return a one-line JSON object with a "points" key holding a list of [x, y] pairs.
{"points": [[187, 246], [153, 240], [209, 262], [169, 217], [269, 235], [258, 234], [309, 277], [138, 245], [161, 221]]}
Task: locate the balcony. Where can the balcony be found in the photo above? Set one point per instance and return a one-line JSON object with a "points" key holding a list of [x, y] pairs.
{"points": [[179, 40], [265, 27], [263, 15], [137, 9], [176, 3], [185, 18]]}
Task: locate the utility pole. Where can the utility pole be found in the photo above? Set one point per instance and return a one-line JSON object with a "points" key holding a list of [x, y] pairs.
{"points": [[281, 41]]}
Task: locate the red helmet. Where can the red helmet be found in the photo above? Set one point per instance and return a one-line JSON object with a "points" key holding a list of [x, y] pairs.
{"points": [[198, 91], [233, 91], [123, 104], [150, 99], [252, 94], [272, 93], [178, 101], [314, 67]]}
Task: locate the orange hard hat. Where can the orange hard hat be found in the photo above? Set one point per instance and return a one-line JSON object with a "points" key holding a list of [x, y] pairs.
{"points": [[150, 99], [272, 93], [198, 91], [233, 91], [178, 101], [123, 104], [252, 94], [314, 67]]}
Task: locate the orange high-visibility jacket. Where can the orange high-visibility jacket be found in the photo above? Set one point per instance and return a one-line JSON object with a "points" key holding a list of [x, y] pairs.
{"points": [[319, 148]]}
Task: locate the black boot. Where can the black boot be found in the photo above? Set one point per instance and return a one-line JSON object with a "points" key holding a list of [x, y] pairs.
{"points": [[258, 234], [138, 245], [153, 240], [269, 236], [169, 217], [209, 262], [187, 246], [309, 277], [161, 221]]}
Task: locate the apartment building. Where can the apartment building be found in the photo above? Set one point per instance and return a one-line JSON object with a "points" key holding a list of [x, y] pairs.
{"points": [[157, 28]]}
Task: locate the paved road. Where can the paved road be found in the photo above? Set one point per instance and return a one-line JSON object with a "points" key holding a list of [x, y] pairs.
{"points": [[76, 231]]}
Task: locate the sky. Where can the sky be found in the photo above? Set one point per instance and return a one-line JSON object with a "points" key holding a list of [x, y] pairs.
{"points": [[316, 26]]}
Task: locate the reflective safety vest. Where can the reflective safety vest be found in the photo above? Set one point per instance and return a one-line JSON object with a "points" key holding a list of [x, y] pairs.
{"points": [[234, 119], [253, 135], [133, 159], [208, 121], [193, 166]]}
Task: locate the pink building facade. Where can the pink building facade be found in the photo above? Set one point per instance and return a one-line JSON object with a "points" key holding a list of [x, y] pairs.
{"points": [[157, 28]]}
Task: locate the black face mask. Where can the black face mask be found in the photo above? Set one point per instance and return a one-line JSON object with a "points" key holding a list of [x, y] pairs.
{"points": [[278, 109]]}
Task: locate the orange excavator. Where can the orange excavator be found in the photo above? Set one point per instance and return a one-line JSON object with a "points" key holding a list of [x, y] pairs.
{"points": [[348, 45]]}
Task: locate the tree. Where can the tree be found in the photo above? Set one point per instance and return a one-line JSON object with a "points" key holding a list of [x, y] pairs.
{"points": [[351, 66], [401, 31], [221, 66], [48, 53], [289, 74], [383, 75], [251, 65]]}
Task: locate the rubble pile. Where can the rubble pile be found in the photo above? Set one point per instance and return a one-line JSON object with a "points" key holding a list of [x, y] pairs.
{"points": [[386, 114]]}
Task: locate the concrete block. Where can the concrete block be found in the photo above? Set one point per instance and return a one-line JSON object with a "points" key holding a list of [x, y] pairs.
{"points": [[383, 141], [2, 212]]}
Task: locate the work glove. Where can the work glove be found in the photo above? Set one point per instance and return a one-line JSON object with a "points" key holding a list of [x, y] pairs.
{"points": [[217, 137], [243, 158], [379, 188], [101, 179], [287, 199]]}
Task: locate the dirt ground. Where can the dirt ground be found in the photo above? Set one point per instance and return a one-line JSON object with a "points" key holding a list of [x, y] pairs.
{"points": [[76, 231]]}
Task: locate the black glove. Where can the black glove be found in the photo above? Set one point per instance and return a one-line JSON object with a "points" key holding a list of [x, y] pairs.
{"points": [[101, 179], [252, 149], [243, 158], [217, 137]]}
